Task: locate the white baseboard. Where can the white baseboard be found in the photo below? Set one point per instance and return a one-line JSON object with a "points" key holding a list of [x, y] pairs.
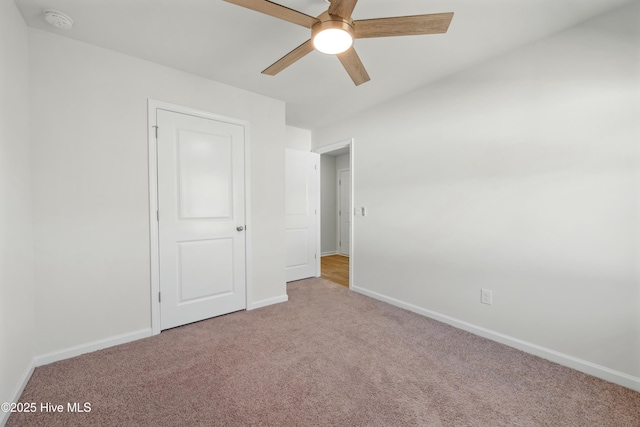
{"points": [[268, 301], [328, 253], [587, 367], [92, 346], [15, 397]]}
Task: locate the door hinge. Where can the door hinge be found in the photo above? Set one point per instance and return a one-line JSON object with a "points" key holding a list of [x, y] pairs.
{"points": [[159, 297], [156, 131], [339, 213], [158, 215]]}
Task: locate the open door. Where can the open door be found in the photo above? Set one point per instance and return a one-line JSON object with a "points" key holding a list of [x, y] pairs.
{"points": [[301, 214]]}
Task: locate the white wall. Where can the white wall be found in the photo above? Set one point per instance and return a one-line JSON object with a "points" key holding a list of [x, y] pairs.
{"points": [[520, 175], [343, 162], [89, 116], [298, 138], [16, 238], [328, 202]]}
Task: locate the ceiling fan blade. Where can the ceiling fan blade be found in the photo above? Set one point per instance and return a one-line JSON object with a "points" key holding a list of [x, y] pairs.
{"points": [[277, 11], [351, 62], [291, 57], [342, 8], [436, 23]]}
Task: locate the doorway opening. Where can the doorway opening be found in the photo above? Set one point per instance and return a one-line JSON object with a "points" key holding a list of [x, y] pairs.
{"points": [[335, 268], [336, 207]]}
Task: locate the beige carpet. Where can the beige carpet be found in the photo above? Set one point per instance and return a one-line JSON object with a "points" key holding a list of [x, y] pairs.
{"points": [[327, 357]]}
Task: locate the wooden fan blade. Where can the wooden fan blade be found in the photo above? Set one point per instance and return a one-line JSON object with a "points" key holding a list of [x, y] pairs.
{"points": [[436, 23], [351, 62], [342, 8], [277, 11], [291, 57]]}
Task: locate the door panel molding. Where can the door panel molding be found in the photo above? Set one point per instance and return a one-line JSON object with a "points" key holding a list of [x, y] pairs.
{"points": [[152, 108]]}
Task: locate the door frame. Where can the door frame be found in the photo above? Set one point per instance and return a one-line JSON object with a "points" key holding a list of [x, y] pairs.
{"points": [[350, 143], [338, 216], [152, 107]]}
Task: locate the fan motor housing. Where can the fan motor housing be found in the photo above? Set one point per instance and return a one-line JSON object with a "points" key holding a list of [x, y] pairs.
{"points": [[328, 22]]}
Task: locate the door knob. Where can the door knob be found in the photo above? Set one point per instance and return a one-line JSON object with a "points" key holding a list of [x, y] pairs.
{"points": [[240, 228]]}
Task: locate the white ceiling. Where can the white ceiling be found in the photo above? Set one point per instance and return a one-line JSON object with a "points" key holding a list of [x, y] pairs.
{"points": [[232, 45]]}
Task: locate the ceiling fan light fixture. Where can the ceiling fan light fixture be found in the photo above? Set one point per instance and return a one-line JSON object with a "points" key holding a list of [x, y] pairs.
{"points": [[332, 37], [334, 31]]}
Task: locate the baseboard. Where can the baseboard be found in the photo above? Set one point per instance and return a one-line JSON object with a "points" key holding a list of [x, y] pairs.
{"points": [[268, 301], [328, 253], [590, 368], [15, 397], [91, 347]]}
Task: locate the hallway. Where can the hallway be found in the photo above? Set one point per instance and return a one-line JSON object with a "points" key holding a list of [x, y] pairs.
{"points": [[336, 269]]}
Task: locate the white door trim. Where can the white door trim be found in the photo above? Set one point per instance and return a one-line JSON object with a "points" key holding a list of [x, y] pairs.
{"points": [[352, 248], [153, 106], [333, 147], [318, 217], [338, 216]]}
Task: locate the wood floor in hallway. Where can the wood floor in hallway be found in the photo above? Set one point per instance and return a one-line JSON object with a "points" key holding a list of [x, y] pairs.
{"points": [[336, 269]]}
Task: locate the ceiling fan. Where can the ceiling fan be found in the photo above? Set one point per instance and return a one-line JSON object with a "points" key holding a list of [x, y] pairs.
{"points": [[333, 32]]}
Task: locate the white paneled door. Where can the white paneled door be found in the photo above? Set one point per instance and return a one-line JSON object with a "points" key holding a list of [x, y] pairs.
{"points": [[344, 211], [201, 205], [301, 214]]}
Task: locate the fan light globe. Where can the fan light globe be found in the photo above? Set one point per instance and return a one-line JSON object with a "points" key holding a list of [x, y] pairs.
{"points": [[332, 41]]}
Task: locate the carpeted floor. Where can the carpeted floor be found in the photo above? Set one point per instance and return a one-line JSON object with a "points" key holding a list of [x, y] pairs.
{"points": [[329, 356]]}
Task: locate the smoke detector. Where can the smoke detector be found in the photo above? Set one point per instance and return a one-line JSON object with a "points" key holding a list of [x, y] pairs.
{"points": [[58, 19]]}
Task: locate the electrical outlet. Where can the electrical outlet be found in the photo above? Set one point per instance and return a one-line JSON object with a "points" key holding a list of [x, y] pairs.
{"points": [[486, 296]]}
